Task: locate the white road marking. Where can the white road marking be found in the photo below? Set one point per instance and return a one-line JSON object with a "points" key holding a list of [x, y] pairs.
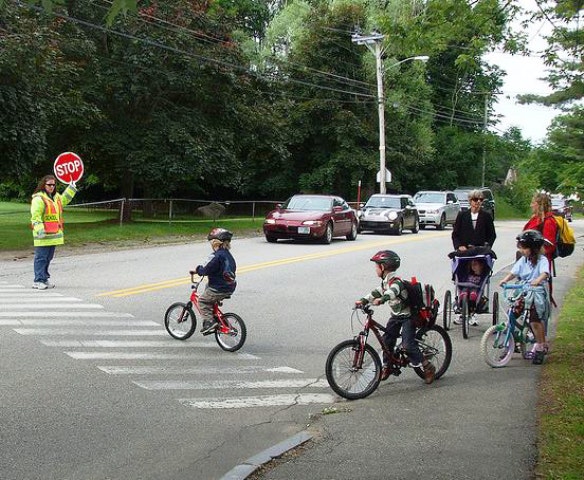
{"points": [[40, 322], [11, 288], [45, 314], [170, 343], [150, 355], [37, 299], [84, 332], [229, 384], [194, 370], [28, 294], [259, 401], [48, 306]]}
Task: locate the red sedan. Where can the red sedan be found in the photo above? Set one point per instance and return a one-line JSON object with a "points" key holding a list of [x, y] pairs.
{"points": [[311, 217]]}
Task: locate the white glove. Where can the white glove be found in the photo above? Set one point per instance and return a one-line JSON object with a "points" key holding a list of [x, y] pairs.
{"points": [[73, 184]]}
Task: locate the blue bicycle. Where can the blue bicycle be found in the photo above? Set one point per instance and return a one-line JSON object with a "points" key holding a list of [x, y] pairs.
{"points": [[501, 341]]}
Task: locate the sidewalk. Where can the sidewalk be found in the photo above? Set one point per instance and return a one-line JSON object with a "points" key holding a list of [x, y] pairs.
{"points": [[476, 422]]}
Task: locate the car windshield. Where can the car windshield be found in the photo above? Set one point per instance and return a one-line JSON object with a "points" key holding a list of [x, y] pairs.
{"points": [[429, 197], [557, 203], [462, 195], [321, 204], [384, 202]]}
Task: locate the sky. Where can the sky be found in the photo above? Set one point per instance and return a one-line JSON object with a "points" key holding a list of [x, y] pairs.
{"points": [[523, 76]]}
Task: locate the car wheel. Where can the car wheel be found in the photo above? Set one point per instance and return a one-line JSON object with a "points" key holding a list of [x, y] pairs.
{"points": [[328, 234], [416, 227], [271, 239], [400, 227], [422, 226], [353, 233], [442, 224]]}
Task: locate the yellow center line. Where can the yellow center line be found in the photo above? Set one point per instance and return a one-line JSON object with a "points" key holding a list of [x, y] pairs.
{"points": [[151, 287]]}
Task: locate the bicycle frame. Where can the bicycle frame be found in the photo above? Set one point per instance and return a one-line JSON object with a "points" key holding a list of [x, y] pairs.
{"points": [[516, 327], [397, 359], [217, 313]]}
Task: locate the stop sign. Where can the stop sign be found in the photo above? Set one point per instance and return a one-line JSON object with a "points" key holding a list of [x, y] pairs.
{"points": [[68, 167]]}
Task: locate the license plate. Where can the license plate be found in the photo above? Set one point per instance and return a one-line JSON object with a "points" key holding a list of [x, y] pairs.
{"points": [[305, 230]]}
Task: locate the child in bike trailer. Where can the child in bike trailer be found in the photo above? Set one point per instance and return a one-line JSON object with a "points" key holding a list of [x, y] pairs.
{"points": [[393, 292], [533, 268], [220, 271]]}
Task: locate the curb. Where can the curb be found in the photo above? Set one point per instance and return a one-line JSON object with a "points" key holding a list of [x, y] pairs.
{"points": [[243, 470]]}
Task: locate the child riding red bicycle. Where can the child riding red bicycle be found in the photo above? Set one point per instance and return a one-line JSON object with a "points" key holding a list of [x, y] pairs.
{"points": [[393, 291]]}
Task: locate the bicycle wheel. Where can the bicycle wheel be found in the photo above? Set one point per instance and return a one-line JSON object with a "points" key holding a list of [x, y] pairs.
{"points": [[436, 346], [348, 380], [464, 317], [497, 346], [495, 308], [232, 337], [180, 321], [447, 310]]}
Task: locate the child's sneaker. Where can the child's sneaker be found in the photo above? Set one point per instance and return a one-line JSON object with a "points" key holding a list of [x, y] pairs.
{"points": [[538, 358], [474, 321], [39, 286], [429, 373], [208, 326]]}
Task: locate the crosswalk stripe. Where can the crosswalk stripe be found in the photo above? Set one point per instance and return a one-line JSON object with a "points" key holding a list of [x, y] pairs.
{"points": [[28, 294], [229, 384], [151, 355], [193, 370], [11, 288], [170, 343], [37, 299], [45, 307], [125, 322], [45, 314], [85, 332], [259, 401]]}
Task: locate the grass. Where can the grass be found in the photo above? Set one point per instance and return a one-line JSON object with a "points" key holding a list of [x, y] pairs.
{"points": [[84, 227], [561, 403]]}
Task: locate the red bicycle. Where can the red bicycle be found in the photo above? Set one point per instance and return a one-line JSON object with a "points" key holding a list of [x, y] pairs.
{"points": [[180, 321], [353, 367]]}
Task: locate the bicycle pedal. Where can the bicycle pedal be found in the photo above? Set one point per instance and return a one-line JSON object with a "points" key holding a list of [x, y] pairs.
{"points": [[210, 332]]}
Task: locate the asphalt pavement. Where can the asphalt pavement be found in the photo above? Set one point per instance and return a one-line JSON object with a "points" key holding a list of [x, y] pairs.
{"points": [[476, 422]]}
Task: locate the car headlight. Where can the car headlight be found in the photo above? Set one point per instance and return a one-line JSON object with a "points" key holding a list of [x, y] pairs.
{"points": [[312, 222], [392, 215], [433, 211], [270, 221]]}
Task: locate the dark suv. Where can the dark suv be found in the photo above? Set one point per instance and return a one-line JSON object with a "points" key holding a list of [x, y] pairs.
{"points": [[488, 204]]}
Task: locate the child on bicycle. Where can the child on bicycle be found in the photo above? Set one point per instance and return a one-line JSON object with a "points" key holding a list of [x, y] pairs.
{"points": [[392, 290], [220, 271], [533, 268]]}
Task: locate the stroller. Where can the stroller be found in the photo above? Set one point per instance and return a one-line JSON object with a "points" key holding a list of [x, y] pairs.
{"points": [[471, 274]]}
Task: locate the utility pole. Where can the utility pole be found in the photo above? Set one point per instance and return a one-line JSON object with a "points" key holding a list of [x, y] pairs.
{"points": [[485, 120], [373, 43]]}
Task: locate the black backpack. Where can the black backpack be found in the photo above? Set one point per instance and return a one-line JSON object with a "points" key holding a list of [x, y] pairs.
{"points": [[422, 302]]}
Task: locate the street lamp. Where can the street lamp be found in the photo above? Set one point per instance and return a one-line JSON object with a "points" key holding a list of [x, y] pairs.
{"points": [[373, 43]]}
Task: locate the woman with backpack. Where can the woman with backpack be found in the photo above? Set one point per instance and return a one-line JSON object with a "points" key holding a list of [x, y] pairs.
{"points": [[543, 220]]}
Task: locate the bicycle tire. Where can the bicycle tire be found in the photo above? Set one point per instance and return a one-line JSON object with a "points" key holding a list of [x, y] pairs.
{"points": [[465, 317], [447, 310], [496, 348], [180, 321], [495, 308], [346, 380], [436, 346], [232, 339]]}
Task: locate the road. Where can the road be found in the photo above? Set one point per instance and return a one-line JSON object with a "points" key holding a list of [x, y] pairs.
{"points": [[94, 388]]}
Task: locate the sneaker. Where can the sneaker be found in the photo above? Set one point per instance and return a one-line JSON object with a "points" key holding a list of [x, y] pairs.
{"points": [[538, 357], [39, 286], [474, 321], [385, 372], [429, 373], [457, 320], [208, 326], [49, 284]]}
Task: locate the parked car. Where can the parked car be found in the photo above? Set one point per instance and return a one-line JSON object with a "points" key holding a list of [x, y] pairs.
{"points": [[311, 217], [488, 204], [436, 208], [561, 207], [389, 213]]}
